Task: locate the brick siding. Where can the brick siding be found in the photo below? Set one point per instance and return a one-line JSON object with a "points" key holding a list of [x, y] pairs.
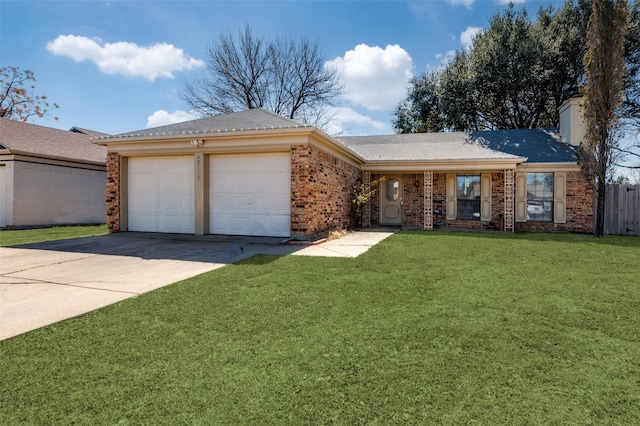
{"points": [[321, 188], [579, 209], [579, 205], [113, 191]]}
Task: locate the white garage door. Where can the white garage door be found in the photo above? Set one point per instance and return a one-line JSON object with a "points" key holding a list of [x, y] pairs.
{"points": [[160, 194], [250, 195]]}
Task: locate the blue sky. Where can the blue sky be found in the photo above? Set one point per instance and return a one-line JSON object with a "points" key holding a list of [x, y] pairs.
{"points": [[118, 66]]}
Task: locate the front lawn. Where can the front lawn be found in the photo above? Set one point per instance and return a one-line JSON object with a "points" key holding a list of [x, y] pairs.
{"points": [[28, 236], [425, 328]]}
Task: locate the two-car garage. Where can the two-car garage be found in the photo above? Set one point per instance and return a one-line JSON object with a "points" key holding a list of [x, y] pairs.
{"points": [[247, 194]]}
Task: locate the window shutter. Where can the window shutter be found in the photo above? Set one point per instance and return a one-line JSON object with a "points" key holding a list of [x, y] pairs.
{"points": [[560, 197], [451, 197], [485, 197], [521, 197]]}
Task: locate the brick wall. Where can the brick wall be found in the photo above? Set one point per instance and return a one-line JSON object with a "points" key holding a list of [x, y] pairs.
{"points": [[113, 192], [579, 209], [320, 191], [413, 200], [579, 206], [497, 206]]}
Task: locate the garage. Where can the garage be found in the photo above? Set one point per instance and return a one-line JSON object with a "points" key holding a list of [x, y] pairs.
{"points": [[250, 194], [161, 194]]}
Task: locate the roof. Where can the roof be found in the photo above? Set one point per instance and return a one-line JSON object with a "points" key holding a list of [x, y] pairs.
{"points": [[88, 132], [538, 145], [34, 140], [253, 119], [530, 145], [422, 147]]}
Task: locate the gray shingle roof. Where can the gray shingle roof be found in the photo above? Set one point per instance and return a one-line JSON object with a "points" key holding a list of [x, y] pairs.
{"points": [[538, 145], [253, 119], [34, 140], [421, 147], [534, 145]]}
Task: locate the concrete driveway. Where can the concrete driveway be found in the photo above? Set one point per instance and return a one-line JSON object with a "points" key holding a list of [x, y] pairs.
{"points": [[48, 282]]}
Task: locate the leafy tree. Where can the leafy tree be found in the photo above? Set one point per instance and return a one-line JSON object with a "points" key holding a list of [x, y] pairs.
{"points": [[457, 95], [245, 71], [631, 105], [421, 112], [508, 73], [604, 88], [519, 71], [18, 102]]}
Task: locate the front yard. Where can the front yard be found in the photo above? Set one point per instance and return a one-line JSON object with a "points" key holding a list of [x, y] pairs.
{"points": [[425, 328], [28, 236]]}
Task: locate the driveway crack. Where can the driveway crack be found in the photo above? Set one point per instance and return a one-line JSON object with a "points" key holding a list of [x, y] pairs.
{"points": [[86, 287], [31, 268]]}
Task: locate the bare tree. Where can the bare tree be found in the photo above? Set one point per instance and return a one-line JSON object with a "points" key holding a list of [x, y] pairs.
{"points": [[285, 76], [604, 87], [16, 101]]}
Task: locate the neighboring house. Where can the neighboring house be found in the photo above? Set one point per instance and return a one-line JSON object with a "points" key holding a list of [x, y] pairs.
{"points": [[49, 177], [88, 132], [256, 173]]}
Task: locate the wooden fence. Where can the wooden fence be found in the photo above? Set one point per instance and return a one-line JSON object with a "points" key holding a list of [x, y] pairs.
{"points": [[622, 211]]}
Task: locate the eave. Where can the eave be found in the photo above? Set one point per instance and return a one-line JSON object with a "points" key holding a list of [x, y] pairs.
{"points": [[443, 165], [548, 167], [231, 141]]}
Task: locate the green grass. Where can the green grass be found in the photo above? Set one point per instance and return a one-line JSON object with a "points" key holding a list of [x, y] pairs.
{"points": [[425, 328], [28, 236]]}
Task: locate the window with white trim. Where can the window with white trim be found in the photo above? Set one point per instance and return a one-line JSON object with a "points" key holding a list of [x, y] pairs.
{"points": [[540, 197]]}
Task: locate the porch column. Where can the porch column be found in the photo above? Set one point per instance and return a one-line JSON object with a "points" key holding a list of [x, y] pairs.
{"points": [[508, 200], [428, 200], [366, 209]]}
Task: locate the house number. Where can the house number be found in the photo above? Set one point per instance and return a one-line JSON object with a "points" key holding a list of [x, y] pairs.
{"points": [[198, 161]]}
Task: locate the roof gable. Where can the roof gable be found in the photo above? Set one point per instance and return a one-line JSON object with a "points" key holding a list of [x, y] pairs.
{"points": [[252, 119], [46, 142]]}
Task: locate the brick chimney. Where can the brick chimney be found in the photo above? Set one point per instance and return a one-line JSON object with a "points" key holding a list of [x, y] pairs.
{"points": [[572, 121]]}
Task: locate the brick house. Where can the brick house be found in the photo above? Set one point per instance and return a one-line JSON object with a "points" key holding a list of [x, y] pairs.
{"points": [[256, 173], [49, 177]]}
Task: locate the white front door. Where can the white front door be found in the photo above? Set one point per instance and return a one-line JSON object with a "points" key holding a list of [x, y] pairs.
{"points": [[391, 201], [160, 194], [250, 194]]}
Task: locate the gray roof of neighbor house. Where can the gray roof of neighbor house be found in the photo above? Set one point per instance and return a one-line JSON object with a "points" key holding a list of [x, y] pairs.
{"points": [[45, 142], [532, 145], [253, 119], [88, 132]]}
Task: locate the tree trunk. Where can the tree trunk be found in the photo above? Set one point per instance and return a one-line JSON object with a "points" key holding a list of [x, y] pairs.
{"points": [[599, 229]]}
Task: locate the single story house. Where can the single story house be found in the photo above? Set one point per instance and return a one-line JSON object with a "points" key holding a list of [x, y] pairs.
{"points": [[257, 173], [49, 177]]}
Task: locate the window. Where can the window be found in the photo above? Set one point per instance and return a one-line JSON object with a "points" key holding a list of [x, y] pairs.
{"points": [[468, 197], [393, 189], [540, 197]]}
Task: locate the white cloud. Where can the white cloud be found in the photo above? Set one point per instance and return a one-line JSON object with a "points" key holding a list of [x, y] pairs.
{"points": [[163, 118], [375, 78], [126, 58], [343, 116], [445, 58], [465, 3], [512, 1], [467, 36]]}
